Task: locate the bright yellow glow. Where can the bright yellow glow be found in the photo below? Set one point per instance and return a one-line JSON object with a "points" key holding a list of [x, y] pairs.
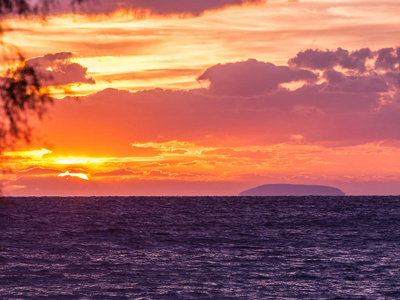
{"points": [[175, 148], [31, 154], [74, 161], [79, 175]]}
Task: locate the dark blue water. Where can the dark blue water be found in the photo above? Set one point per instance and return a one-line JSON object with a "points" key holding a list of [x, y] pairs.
{"points": [[200, 248]]}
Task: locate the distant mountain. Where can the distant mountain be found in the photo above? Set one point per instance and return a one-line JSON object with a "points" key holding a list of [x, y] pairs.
{"points": [[292, 190]]}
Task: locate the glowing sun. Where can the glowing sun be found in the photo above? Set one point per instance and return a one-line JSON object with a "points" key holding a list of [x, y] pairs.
{"points": [[79, 175]]}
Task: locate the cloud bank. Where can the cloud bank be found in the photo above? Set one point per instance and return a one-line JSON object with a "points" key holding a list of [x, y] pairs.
{"points": [[256, 121], [353, 98]]}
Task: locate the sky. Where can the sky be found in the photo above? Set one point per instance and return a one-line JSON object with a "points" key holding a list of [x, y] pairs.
{"points": [[181, 97]]}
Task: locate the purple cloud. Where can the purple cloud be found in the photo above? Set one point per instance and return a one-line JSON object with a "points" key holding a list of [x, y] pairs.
{"points": [[324, 60], [57, 69], [164, 7], [388, 59], [372, 83], [250, 78], [362, 70]]}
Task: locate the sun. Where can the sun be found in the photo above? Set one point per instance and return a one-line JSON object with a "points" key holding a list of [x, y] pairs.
{"points": [[79, 175]]}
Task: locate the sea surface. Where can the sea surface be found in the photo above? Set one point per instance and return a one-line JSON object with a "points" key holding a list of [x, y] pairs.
{"points": [[200, 248]]}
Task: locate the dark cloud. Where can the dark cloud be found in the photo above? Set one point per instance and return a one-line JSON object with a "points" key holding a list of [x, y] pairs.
{"points": [[58, 69], [250, 78], [388, 59], [357, 59], [372, 83], [362, 70], [323, 60], [314, 59], [164, 7]]}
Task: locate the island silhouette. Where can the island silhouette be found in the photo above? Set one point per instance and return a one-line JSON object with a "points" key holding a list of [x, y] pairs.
{"points": [[292, 190]]}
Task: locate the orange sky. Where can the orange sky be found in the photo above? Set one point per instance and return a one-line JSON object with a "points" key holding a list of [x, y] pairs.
{"points": [[212, 99]]}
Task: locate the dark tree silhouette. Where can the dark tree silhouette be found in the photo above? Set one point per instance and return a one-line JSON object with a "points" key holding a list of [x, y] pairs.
{"points": [[21, 94]]}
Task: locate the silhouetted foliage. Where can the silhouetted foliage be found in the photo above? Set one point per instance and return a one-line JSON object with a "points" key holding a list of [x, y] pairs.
{"points": [[21, 94]]}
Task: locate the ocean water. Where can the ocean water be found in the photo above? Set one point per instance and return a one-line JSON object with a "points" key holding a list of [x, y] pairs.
{"points": [[200, 248]]}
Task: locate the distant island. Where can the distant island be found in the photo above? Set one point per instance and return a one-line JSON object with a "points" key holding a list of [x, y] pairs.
{"points": [[292, 190]]}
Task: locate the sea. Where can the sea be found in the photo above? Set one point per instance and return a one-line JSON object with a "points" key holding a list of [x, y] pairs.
{"points": [[200, 247]]}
